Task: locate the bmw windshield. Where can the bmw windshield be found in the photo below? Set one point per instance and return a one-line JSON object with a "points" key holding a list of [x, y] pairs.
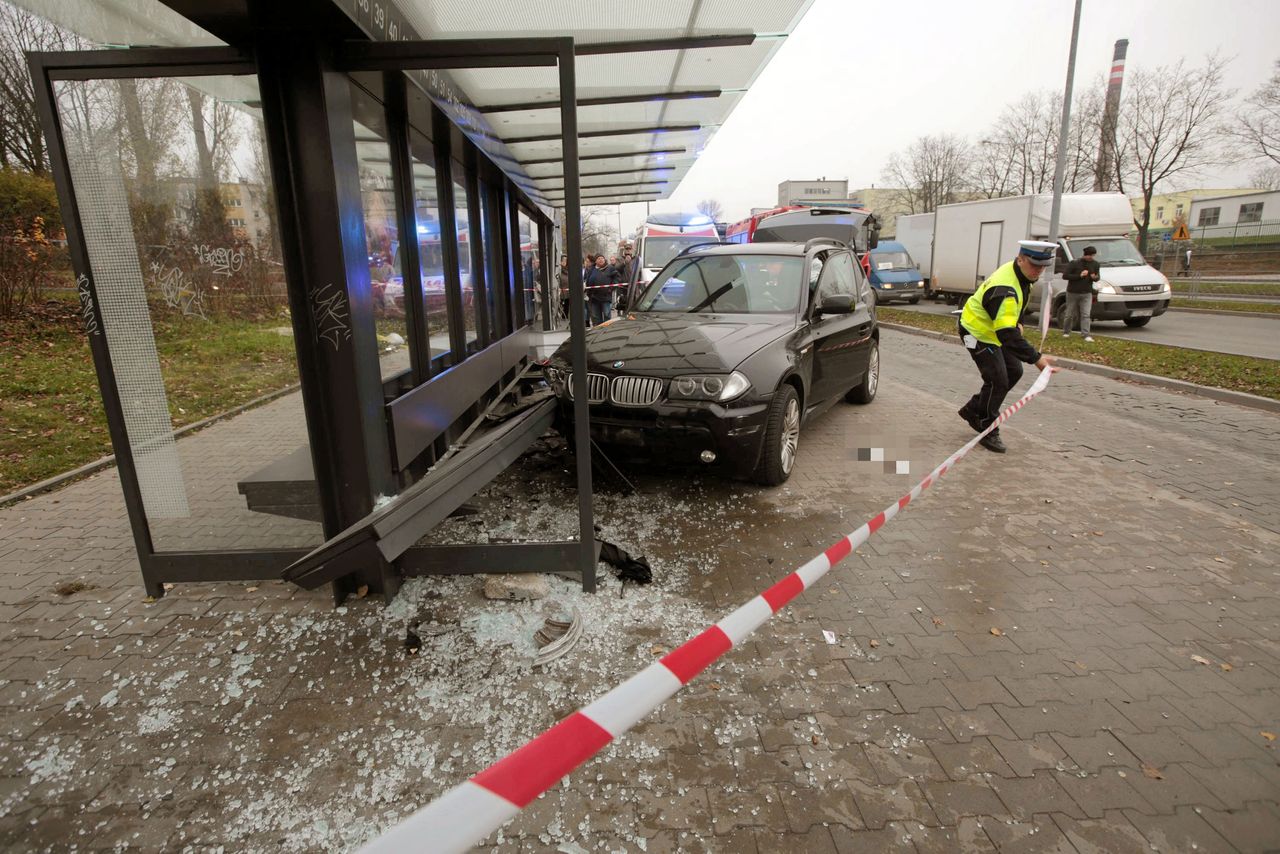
{"points": [[730, 284]]}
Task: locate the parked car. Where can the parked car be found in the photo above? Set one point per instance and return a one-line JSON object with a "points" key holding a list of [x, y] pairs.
{"points": [[893, 273], [727, 353]]}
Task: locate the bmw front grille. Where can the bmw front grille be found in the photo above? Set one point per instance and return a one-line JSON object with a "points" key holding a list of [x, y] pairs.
{"points": [[597, 387], [636, 391]]}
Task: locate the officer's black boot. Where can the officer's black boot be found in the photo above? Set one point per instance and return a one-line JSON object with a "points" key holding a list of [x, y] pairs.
{"points": [[993, 442], [969, 418]]}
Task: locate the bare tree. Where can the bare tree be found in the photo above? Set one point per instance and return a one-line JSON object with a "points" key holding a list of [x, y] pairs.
{"points": [[1258, 124], [599, 234], [1266, 178], [933, 171], [1170, 125], [21, 137], [1084, 137], [712, 209], [1018, 155]]}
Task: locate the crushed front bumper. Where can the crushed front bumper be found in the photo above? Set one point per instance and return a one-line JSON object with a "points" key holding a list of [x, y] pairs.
{"points": [[678, 433]]}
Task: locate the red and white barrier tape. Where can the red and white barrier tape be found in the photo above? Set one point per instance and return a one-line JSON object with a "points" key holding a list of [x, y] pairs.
{"points": [[465, 815]]}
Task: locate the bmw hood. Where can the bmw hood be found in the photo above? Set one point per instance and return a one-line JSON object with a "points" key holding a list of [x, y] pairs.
{"points": [[662, 344]]}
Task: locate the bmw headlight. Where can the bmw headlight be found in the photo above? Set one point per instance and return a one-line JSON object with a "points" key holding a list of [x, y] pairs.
{"points": [[713, 387]]}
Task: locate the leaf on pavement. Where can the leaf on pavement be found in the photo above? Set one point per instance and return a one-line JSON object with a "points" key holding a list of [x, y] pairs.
{"points": [[873, 643], [1200, 659], [1227, 667], [937, 621], [1152, 772], [997, 632], [1269, 736]]}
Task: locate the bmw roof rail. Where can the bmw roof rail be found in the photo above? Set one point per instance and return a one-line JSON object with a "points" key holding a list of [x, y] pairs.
{"points": [[824, 241]]}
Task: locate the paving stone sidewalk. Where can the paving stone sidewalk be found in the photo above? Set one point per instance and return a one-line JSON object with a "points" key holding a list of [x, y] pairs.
{"points": [[1072, 647]]}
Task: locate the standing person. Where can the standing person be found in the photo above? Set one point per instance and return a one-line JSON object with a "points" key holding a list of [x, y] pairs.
{"points": [[624, 297], [1080, 275], [562, 278], [1186, 263], [991, 328], [600, 294]]}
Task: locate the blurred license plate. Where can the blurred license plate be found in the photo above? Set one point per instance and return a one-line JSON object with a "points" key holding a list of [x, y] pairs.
{"points": [[1144, 312]]}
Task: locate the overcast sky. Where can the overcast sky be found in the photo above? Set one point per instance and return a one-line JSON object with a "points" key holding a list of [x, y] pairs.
{"points": [[857, 81]]}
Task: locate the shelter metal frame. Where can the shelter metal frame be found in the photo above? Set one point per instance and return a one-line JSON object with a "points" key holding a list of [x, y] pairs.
{"points": [[298, 99]]}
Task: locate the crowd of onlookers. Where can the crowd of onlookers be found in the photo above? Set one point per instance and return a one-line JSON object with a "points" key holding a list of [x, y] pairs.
{"points": [[604, 278]]}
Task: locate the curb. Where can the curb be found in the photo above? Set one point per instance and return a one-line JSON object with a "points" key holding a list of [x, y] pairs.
{"points": [[50, 484], [1268, 314], [1223, 395]]}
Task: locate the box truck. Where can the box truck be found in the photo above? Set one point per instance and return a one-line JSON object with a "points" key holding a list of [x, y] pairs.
{"points": [[915, 233], [972, 239]]}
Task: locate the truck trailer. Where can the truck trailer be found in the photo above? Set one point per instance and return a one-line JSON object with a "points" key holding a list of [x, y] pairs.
{"points": [[971, 239]]}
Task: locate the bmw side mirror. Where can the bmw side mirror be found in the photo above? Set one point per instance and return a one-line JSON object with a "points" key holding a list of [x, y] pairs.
{"points": [[836, 304]]}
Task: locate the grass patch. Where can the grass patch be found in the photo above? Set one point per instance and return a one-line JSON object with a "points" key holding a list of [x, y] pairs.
{"points": [[1233, 289], [51, 415], [1272, 307], [1221, 370]]}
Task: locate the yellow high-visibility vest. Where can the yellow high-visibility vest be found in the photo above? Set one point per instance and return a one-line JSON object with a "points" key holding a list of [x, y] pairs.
{"points": [[975, 317]]}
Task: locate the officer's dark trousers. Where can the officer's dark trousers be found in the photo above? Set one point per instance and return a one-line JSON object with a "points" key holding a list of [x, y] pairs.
{"points": [[1000, 372]]}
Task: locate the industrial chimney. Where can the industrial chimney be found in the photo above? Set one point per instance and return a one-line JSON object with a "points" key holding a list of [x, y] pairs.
{"points": [[1103, 173]]}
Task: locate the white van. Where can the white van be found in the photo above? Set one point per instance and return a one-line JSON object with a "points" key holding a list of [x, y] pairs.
{"points": [[971, 239]]}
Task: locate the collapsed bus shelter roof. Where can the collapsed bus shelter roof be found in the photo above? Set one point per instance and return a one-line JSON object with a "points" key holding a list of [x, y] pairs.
{"points": [[470, 126]]}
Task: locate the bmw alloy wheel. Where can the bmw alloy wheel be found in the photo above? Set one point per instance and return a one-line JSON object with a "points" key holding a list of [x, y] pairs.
{"points": [[873, 370], [790, 434]]}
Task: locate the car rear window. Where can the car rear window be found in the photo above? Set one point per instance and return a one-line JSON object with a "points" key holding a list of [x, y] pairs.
{"points": [[731, 284]]}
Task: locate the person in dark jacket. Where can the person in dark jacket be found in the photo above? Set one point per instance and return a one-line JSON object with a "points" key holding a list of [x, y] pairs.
{"points": [[1080, 275], [599, 283]]}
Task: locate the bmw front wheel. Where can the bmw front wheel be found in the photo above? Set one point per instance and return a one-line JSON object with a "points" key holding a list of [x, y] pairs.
{"points": [[781, 438]]}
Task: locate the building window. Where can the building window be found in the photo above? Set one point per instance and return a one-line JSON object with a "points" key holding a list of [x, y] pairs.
{"points": [[1209, 216], [1160, 214], [1177, 212], [1250, 213]]}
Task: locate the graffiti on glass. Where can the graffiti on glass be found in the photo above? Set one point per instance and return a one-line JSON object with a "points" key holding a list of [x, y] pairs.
{"points": [[176, 291], [87, 310], [222, 260], [329, 310]]}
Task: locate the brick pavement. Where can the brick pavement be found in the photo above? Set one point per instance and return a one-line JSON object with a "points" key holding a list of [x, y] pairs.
{"points": [[1140, 532]]}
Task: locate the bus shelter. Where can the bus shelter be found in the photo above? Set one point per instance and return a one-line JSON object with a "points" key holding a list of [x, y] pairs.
{"points": [[384, 182]]}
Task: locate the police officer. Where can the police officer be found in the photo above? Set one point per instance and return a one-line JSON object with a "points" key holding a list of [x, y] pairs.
{"points": [[991, 328]]}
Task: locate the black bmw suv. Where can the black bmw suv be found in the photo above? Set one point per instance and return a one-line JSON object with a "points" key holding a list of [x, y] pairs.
{"points": [[727, 353]]}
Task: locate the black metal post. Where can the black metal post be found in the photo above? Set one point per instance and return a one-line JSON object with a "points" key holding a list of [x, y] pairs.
{"points": [[550, 269], [394, 97], [517, 260], [577, 323], [311, 146], [445, 168], [502, 235], [476, 227]]}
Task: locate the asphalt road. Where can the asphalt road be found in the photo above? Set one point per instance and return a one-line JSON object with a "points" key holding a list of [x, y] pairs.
{"points": [[1219, 333]]}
